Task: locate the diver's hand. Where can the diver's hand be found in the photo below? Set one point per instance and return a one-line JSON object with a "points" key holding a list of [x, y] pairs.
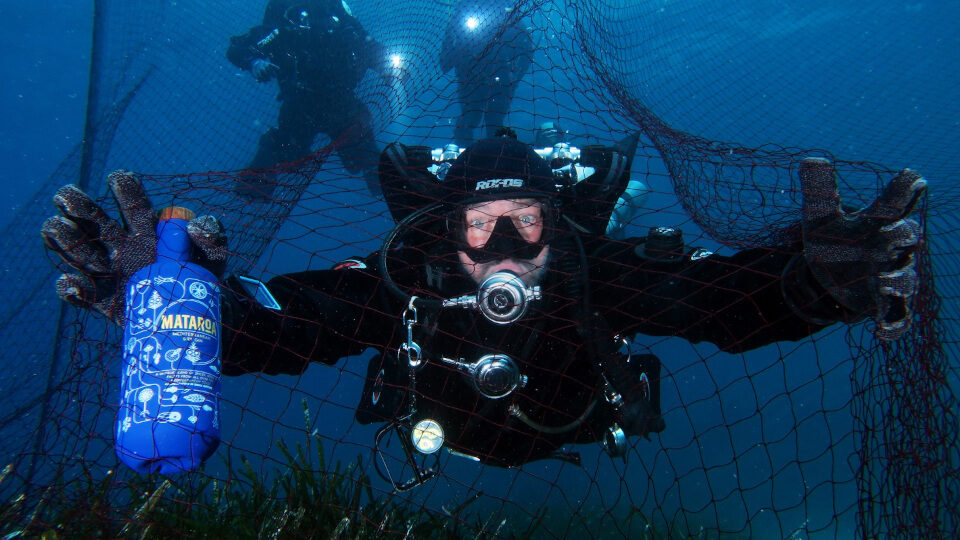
{"points": [[864, 259], [263, 70], [106, 253]]}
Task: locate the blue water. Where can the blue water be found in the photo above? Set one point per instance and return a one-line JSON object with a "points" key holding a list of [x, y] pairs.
{"points": [[887, 95], [877, 83], [46, 61]]}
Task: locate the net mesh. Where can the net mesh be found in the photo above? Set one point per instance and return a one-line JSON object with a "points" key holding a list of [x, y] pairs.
{"points": [[836, 435]]}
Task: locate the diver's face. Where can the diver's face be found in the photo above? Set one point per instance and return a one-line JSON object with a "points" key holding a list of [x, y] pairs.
{"points": [[481, 219]]}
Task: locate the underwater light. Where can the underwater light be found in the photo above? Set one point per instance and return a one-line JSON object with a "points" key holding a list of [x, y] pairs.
{"points": [[472, 23]]}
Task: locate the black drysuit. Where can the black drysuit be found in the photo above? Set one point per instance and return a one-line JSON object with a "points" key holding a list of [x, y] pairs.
{"points": [[561, 345]]}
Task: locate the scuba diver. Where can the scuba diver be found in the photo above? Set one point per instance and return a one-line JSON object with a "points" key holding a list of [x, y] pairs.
{"points": [[502, 330], [489, 51], [318, 52]]}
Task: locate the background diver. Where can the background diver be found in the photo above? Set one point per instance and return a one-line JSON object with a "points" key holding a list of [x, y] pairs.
{"points": [[318, 52], [499, 326], [489, 51]]}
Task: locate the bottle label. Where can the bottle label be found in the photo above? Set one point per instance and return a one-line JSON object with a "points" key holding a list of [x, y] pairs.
{"points": [[172, 353]]}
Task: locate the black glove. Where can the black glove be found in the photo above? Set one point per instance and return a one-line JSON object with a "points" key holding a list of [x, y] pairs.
{"points": [[863, 259], [107, 253]]}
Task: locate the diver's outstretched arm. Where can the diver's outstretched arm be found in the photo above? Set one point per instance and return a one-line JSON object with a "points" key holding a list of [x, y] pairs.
{"points": [[863, 259], [848, 266], [319, 316]]}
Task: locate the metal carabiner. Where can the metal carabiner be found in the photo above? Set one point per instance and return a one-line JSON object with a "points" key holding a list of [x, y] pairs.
{"points": [[410, 348]]}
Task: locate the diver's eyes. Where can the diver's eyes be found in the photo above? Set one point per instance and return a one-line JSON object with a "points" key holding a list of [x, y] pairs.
{"points": [[527, 220], [484, 220], [478, 223]]}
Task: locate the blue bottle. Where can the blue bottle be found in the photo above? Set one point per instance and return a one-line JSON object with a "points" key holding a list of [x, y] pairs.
{"points": [[168, 420]]}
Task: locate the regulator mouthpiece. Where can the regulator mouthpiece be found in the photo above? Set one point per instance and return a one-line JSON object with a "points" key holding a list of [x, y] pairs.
{"points": [[502, 298]]}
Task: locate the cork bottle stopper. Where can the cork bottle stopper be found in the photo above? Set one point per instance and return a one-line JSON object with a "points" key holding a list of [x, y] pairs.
{"points": [[176, 212]]}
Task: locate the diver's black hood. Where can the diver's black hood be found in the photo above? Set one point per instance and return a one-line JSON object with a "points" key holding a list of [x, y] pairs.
{"points": [[497, 168]]}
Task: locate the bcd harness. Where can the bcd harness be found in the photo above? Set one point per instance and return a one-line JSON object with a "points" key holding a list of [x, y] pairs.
{"points": [[496, 376]]}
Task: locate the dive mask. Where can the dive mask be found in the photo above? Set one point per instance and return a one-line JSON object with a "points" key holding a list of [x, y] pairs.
{"points": [[505, 241]]}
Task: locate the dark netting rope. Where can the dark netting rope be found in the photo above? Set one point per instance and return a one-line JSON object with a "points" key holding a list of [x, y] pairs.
{"points": [[837, 435]]}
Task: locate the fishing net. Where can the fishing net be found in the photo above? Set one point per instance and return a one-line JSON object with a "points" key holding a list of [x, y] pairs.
{"points": [[836, 435]]}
